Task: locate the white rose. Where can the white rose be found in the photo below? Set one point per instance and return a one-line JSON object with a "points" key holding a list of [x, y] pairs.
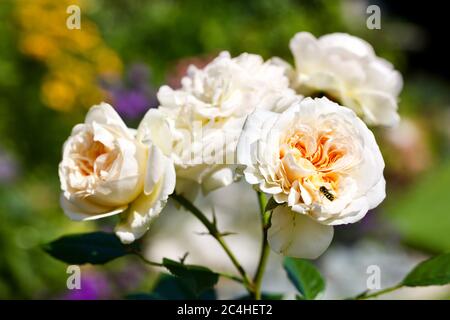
{"points": [[321, 162], [107, 170], [346, 69], [207, 115]]}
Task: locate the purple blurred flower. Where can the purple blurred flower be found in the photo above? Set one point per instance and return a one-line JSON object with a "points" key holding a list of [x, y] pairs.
{"points": [[132, 96], [131, 103], [138, 75], [8, 168], [94, 286], [128, 279]]}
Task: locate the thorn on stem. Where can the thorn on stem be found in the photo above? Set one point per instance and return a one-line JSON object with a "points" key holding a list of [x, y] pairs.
{"points": [[183, 258]]}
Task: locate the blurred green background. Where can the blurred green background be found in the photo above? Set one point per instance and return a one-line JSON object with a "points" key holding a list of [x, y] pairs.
{"points": [[50, 76]]}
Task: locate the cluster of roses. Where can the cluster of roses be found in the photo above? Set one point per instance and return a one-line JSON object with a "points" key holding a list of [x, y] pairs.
{"points": [[301, 140]]}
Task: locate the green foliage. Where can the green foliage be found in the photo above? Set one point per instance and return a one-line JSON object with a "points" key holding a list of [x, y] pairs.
{"points": [[434, 271], [422, 214], [201, 28], [305, 277], [197, 278], [94, 248], [30, 215], [264, 296], [173, 288]]}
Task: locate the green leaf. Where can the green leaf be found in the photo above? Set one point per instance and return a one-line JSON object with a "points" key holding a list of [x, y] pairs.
{"points": [[170, 287], [271, 205], [305, 277], [434, 271], [197, 278], [264, 296], [94, 248], [173, 288]]}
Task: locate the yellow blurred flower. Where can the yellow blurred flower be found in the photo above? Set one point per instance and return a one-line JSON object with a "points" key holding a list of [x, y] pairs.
{"points": [[106, 61], [38, 46], [57, 94], [75, 59]]}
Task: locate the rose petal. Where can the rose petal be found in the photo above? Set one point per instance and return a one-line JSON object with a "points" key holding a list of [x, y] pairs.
{"points": [[218, 179], [105, 114], [137, 219], [83, 210], [296, 235]]}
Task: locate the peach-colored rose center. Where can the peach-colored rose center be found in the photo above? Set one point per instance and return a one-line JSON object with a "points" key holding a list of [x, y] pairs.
{"points": [[314, 158], [93, 157]]}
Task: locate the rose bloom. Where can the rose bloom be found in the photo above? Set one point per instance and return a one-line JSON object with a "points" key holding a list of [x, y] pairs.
{"points": [[346, 69], [204, 118], [320, 163], [109, 169]]}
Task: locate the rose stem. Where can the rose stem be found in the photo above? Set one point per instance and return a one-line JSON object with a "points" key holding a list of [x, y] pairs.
{"points": [[265, 250], [378, 293], [212, 229]]}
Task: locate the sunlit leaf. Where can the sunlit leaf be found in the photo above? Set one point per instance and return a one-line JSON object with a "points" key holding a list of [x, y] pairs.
{"points": [[434, 271], [305, 277]]}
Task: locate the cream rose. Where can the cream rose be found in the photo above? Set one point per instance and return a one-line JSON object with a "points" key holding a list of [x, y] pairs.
{"points": [[205, 117], [107, 170], [346, 69], [320, 162]]}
